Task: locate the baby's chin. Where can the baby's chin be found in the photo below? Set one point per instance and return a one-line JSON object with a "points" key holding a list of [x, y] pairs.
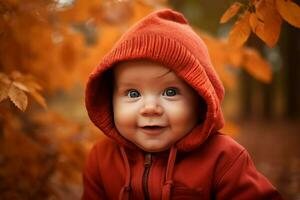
{"points": [[154, 148]]}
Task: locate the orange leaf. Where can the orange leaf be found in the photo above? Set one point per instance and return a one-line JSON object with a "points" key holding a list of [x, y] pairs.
{"points": [[3, 91], [240, 31], [266, 22], [289, 11], [27, 83], [255, 23], [18, 97], [256, 66], [20, 86], [39, 98], [4, 86], [33, 85], [235, 57], [230, 12]]}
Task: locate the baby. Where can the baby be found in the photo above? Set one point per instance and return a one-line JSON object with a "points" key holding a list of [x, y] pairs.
{"points": [[157, 98]]}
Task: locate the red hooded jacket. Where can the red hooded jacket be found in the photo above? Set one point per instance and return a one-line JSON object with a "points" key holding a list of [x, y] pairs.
{"points": [[205, 164]]}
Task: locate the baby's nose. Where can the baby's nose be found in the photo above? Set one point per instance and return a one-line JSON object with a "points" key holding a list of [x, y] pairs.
{"points": [[151, 107]]}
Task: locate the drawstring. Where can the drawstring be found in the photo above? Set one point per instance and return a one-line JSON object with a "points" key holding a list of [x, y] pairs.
{"points": [[124, 193], [166, 190]]}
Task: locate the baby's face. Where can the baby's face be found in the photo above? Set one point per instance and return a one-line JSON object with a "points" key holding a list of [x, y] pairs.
{"points": [[153, 108]]}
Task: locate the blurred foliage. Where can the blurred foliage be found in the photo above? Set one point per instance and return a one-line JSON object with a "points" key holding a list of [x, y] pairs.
{"points": [[48, 47], [263, 18]]}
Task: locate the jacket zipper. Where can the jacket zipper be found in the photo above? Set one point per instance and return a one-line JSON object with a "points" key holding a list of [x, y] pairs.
{"points": [[147, 165]]}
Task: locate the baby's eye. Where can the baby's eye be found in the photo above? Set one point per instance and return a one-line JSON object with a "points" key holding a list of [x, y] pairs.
{"points": [[171, 92], [133, 93]]}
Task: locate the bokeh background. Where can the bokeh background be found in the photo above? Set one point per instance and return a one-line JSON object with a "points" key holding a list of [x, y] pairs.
{"points": [[48, 48]]}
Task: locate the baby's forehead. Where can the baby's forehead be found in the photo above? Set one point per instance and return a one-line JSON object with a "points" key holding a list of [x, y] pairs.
{"points": [[137, 69]]}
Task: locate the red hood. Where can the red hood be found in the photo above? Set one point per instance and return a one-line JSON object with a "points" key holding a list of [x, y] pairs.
{"points": [[184, 52]]}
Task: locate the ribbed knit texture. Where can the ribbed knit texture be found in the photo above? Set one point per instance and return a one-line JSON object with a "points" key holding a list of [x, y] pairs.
{"points": [[165, 37]]}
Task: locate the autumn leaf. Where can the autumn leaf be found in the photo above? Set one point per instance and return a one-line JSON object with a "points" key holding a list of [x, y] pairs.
{"points": [[289, 11], [4, 86], [28, 84], [18, 97], [3, 91], [21, 86], [240, 31], [256, 24], [16, 86], [39, 98], [230, 12], [235, 57], [256, 66], [266, 22]]}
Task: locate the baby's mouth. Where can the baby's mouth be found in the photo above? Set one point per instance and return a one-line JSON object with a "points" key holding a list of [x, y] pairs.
{"points": [[153, 129]]}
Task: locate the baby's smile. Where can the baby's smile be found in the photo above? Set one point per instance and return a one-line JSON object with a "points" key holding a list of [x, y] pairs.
{"points": [[153, 129]]}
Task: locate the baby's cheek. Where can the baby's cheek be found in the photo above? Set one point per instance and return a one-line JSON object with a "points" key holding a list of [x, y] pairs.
{"points": [[124, 115], [181, 115], [177, 112]]}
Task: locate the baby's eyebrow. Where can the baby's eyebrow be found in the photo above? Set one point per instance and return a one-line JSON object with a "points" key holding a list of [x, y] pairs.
{"points": [[164, 74]]}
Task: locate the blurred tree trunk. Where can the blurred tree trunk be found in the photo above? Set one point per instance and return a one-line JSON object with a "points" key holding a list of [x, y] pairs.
{"points": [[246, 93], [290, 50], [253, 93], [258, 99]]}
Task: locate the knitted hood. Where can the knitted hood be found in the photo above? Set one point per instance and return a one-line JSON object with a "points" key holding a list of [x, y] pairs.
{"points": [[163, 36]]}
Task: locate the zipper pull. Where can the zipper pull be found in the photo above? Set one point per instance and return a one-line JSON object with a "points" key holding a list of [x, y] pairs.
{"points": [[148, 159], [147, 165]]}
